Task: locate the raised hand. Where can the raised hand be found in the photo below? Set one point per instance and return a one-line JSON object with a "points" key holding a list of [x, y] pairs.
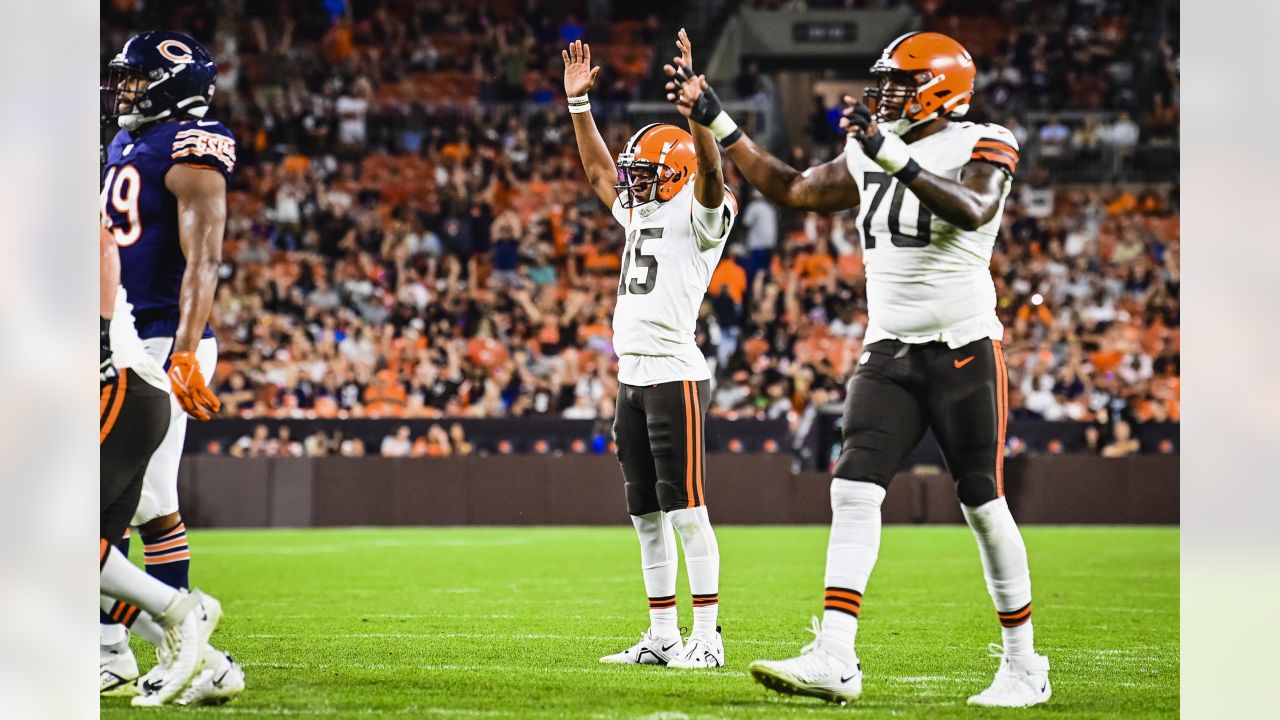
{"points": [[856, 119], [686, 50], [579, 76]]}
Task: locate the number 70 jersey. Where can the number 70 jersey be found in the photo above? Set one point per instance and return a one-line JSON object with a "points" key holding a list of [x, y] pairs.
{"points": [[667, 264], [927, 279]]}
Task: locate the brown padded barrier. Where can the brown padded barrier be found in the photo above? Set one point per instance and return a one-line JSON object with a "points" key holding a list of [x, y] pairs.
{"points": [[587, 490]]}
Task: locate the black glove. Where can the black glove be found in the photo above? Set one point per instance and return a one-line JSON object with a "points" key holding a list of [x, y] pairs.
{"points": [[707, 107], [709, 112], [859, 116], [887, 151], [107, 372]]}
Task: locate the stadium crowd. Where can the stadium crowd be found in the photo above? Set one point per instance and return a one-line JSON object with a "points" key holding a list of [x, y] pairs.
{"points": [[409, 234]]}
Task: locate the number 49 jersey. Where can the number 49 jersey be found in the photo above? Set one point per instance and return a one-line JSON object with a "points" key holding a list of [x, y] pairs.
{"points": [[928, 280], [144, 215], [666, 267]]}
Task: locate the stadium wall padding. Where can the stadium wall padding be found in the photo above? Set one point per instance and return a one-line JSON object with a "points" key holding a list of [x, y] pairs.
{"points": [[587, 490]]}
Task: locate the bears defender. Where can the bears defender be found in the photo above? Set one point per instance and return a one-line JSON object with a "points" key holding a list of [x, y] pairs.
{"points": [[133, 419], [164, 190], [929, 190], [671, 202]]}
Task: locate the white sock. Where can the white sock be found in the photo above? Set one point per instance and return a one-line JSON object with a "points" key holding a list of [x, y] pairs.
{"points": [[1004, 565], [143, 625], [122, 580], [659, 563], [852, 549], [112, 635], [702, 563]]}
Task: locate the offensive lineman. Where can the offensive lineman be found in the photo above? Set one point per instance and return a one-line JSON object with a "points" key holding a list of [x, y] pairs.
{"points": [[929, 193], [675, 234], [133, 418], [164, 190]]}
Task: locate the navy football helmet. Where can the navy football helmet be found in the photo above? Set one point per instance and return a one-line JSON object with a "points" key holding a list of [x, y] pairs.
{"points": [[159, 74]]}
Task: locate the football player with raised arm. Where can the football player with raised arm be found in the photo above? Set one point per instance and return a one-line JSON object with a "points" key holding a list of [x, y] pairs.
{"points": [[164, 194], [133, 418], [667, 192], [929, 191]]}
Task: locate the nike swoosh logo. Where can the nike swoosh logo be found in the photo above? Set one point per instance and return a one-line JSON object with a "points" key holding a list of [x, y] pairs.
{"points": [[206, 123], [961, 363], [667, 648], [847, 679], [1042, 687]]}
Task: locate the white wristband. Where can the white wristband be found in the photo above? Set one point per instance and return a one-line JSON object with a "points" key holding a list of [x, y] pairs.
{"points": [[893, 155], [723, 126], [579, 104]]}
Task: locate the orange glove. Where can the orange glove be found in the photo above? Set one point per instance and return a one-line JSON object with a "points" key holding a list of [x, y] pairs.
{"points": [[193, 395]]}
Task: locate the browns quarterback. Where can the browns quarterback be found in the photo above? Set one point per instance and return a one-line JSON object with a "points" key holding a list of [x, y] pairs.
{"points": [[929, 191], [164, 195], [667, 192]]}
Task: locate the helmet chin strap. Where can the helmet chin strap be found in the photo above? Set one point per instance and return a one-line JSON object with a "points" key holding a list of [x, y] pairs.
{"points": [[902, 126]]}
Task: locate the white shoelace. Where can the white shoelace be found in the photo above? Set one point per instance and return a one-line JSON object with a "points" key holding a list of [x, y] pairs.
{"points": [[815, 627]]}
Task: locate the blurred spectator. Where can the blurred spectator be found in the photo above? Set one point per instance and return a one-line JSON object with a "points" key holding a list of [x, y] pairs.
{"points": [[352, 448], [1123, 133], [458, 440], [398, 444], [259, 444], [760, 219], [1122, 444], [1053, 136]]}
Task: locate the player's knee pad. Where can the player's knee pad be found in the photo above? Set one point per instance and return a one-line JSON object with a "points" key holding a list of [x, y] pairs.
{"points": [[975, 490], [849, 469]]}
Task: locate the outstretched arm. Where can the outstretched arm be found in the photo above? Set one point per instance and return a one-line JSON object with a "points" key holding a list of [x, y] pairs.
{"points": [[826, 188], [968, 203], [579, 78], [708, 185]]}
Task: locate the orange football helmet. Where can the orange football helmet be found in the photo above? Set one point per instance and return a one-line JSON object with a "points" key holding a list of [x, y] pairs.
{"points": [[656, 164], [923, 75]]}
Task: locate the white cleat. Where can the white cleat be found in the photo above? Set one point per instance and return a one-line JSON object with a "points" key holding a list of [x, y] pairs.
{"points": [[1020, 682], [815, 673], [651, 650], [221, 680], [188, 621], [118, 670], [700, 653], [157, 672]]}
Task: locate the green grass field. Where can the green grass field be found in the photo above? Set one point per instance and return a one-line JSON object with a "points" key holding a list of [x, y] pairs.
{"points": [[510, 622]]}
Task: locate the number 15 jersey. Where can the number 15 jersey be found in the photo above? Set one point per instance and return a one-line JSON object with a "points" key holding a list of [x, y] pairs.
{"points": [[666, 267], [928, 280]]}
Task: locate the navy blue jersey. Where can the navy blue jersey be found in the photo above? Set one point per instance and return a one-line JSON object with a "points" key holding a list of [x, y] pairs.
{"points": [[144, 215]]}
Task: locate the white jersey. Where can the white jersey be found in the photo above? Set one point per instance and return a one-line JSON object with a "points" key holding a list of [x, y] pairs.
{"points": [[666, 267], [127, 350], [928, 280]]}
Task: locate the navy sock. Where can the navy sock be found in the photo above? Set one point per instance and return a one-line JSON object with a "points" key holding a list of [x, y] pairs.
{"points": [[123, 546], [168, 558]]}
